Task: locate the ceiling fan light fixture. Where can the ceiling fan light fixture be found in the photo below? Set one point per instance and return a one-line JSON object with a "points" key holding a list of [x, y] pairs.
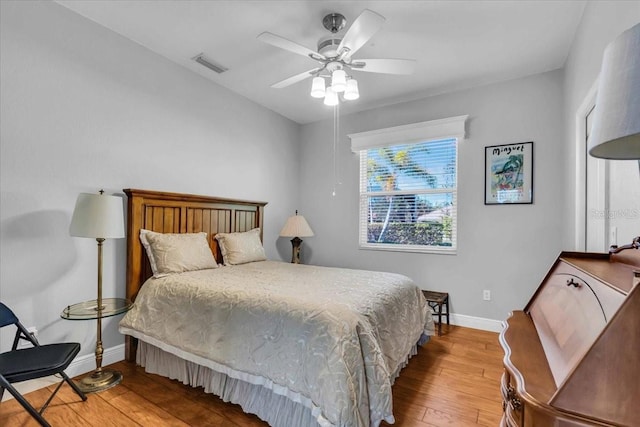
{"points": [[351, 92], [339, 80], [317, 87], [331, 97]]}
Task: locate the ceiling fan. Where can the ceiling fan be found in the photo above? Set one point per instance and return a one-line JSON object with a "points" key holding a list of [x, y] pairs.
{"points": [[334, 55]]}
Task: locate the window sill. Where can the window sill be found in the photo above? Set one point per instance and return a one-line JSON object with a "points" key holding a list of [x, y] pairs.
{"points": [[401, 248]]}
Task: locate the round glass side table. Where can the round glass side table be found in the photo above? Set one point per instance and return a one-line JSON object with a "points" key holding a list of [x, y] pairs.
{"points": [[89, 309]]}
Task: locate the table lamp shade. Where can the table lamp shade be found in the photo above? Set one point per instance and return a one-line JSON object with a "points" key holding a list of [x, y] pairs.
{"points": [[616, 125], [296, 226], [97, 216]]}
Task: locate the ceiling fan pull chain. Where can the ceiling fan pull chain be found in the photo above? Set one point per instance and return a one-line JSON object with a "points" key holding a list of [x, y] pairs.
{"points": [[336, 127]]}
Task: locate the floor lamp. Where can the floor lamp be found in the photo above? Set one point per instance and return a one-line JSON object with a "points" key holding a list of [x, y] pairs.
{"points": [[100, 217]]}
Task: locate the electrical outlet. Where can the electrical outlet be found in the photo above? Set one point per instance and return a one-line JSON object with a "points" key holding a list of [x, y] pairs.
{"points": [[486, 295]]}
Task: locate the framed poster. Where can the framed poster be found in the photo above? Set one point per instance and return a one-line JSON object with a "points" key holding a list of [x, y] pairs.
{"points": [[508, 174]]}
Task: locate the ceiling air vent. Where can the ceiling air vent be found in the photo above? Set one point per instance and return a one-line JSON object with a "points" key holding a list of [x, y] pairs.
{"points": [[200, 59]]}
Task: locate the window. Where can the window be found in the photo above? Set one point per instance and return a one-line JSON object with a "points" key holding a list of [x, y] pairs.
{"points": [[408, 189]]}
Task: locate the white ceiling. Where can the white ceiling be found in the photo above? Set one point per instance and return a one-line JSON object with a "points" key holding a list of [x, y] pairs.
{"points": [[457, 44]]}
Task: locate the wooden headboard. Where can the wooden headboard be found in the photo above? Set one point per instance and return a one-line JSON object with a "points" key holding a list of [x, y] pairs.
{"points": [[180, 213]]}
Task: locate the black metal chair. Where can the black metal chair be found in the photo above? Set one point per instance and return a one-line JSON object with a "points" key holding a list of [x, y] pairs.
{"points": [[33, 362]]}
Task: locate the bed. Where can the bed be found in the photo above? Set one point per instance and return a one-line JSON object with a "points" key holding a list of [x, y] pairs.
{"points": [[294, 344]]}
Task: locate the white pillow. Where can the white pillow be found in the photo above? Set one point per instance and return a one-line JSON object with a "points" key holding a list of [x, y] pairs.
{"points": [[147, 248], [175, 253], [241, 248]]}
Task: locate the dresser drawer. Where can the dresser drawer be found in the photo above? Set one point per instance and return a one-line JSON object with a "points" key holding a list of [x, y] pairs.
{"points": [[569, 312]]}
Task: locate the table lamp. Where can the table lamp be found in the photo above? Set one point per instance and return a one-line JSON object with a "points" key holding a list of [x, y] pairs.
{"points": [[100, 217], [296, 227], [616, 124]]}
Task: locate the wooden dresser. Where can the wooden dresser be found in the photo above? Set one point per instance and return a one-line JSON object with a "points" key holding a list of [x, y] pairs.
{"points": [[572, 356]]}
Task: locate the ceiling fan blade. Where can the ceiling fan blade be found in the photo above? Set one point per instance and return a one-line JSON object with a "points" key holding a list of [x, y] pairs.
{"points": [[362, 29], [387, 66], [295, 79], [286, 44]]}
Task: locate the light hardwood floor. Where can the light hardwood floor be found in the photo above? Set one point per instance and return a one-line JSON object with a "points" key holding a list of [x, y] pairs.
{"points": [[454, 380]]}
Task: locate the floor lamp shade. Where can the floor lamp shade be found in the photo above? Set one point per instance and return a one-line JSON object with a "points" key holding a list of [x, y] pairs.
{"points": [[98, 216], [616, 125]]}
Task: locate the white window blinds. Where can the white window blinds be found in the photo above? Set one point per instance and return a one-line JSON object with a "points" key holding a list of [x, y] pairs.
{"points": [[408, 193]]}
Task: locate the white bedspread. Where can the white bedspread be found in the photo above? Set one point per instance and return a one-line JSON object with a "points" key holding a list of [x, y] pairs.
{"points": [[331, 339]]}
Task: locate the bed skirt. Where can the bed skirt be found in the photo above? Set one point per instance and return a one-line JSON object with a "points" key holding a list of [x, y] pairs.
{"points": [[277, 410]]}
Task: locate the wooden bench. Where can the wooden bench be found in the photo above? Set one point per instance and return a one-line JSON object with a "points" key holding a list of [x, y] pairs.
{"points": [[437, 301]]}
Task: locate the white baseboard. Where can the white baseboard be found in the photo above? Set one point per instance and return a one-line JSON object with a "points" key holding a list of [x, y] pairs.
{"points": [[475, 322], [81, 365]]}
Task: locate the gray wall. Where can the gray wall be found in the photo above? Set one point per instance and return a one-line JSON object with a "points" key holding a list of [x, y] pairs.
{"points": [[82, 109], [506, 249]]}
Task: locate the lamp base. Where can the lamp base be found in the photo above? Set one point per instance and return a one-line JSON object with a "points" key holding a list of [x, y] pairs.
{"points": [[295, 246], [99, 380]]}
